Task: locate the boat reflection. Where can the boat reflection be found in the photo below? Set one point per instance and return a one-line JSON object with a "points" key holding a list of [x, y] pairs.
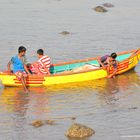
{"points": [[15, 103], [106, 88], [19, 105], [14, 100], [111, 90]]}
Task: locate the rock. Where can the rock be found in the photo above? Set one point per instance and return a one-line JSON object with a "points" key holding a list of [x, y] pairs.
{"points": [[37, 123], [79, 131], [108, 5], [73, 118], [133, 108], [100, 9], [65, 33], [50, 122]]}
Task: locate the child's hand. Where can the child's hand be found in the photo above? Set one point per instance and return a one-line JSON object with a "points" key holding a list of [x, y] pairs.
{"points": [[109, 76]]}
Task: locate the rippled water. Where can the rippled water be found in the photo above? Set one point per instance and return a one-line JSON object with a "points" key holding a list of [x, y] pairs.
{"points": [[109, 106]]}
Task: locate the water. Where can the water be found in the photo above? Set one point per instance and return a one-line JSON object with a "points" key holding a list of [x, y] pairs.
{"points": [[109, 106]]}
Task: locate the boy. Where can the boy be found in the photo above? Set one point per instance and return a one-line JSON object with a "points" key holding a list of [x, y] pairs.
{"points": [[19, 66], [42, 66], [107, 61]]}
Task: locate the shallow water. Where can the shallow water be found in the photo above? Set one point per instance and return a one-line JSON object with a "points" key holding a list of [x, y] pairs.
{"points": [[109, 106]]}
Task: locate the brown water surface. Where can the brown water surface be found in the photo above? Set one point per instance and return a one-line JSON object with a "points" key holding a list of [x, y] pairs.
{"points": [[110, 106]]}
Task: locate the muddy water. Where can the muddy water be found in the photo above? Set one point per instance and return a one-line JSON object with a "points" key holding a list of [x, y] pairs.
{"points": [[109, 106]]}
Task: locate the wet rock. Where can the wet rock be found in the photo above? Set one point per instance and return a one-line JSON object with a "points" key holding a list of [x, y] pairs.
{"points": [[79, 131], [100, 9], [65, 33], [108, 5], [37, 123], [73, 118], [133, 108], [50, 122]]}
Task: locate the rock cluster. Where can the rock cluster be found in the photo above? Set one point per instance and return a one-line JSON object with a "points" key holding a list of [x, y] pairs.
{"points": [[39, 123]]}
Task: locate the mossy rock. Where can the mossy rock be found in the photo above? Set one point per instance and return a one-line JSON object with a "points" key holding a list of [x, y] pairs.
{"points": [[79, 131], [100, 9]]}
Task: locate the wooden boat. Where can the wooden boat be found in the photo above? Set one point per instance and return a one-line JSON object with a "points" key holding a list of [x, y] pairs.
{"points": [[127, 61]]}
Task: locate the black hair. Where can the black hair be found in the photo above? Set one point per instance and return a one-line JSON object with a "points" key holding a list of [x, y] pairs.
{"points": [[113, 55], [40, 51], [21, 49]]}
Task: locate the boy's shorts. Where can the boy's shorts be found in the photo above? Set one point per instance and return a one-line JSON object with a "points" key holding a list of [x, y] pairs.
{"points": [[20, 74]]}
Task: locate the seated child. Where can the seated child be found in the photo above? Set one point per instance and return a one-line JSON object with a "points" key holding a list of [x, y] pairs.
{"points": [[42, 66]]}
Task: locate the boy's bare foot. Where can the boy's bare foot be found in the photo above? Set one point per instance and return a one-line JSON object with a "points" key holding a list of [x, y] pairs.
{"points": [[26, 91]]}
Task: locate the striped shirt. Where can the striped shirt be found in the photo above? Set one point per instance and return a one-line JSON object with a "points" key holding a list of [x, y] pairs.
{"points": [[44, 62]]}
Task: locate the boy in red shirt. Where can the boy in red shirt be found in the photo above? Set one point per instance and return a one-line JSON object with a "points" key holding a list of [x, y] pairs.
{"points": [[42, 66]]}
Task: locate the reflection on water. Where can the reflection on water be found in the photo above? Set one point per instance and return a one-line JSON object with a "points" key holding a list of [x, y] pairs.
{"points": [[37, 24], [81, 100], [113, 89], [15, 102]]}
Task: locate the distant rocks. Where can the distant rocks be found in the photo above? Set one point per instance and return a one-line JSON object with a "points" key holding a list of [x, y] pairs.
{"points": [[103, 7], [65, 33], [76, 130], [79, 131], [100, 9], [133, 108], [39, 123]]}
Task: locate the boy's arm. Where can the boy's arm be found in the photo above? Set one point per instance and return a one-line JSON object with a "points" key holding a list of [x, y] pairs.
{"points": [[24, 61], [112, 74], [115, 70], [46, 69], [99, 61]]}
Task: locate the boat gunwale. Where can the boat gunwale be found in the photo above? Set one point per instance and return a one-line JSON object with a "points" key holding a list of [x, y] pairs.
{"points": [[100, 68], [88, 59]]}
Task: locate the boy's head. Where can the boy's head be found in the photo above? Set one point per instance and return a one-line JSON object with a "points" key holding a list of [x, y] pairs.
{"points": [[40, 51], [22, 50], [113, 55]]}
